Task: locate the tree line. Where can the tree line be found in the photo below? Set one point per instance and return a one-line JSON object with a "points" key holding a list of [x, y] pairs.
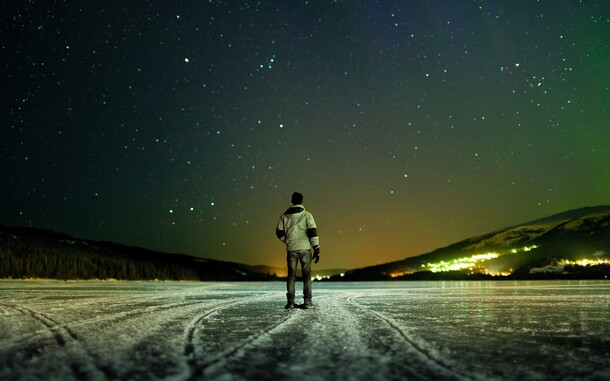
{"points": [[35, 253]]}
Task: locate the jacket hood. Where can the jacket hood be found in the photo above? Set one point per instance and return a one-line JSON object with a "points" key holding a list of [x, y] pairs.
{"points": [[294, 211]]}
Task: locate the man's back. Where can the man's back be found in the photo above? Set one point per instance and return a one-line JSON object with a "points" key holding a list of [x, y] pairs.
{"points": [[299, 229]]}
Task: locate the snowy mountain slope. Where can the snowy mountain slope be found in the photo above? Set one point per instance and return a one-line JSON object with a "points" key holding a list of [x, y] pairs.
{"points": [[573, 235]]}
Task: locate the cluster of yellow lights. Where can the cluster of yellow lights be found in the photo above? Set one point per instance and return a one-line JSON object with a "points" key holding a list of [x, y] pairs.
{"points": [[320, 277], [526, 248], [585, 262], [499, 273], [468, 263], [473, 262]]}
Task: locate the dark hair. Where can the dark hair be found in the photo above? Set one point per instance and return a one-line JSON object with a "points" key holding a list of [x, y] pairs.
{"points": [[297, 198]]}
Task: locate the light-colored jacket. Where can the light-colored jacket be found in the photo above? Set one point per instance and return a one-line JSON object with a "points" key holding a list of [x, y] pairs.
{"points": [[297, 229]]}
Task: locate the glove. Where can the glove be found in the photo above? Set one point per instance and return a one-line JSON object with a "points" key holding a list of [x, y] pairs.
{"points": [[316, 254]]}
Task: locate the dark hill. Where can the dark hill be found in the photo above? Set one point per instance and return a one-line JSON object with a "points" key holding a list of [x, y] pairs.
{"points": [[573, 235], [36, 253]]}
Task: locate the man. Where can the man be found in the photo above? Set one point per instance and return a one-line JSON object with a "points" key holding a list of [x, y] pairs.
{"points": [[297, 229]]}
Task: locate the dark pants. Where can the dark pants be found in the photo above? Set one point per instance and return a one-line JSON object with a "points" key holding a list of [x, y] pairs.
{"points": [[292, 259]]}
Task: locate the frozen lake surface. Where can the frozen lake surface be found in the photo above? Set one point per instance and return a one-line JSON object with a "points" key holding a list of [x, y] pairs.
{"points": [[53, 330]]}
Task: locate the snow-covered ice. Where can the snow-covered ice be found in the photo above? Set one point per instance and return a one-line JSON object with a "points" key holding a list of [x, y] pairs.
{"points": [[90, 330]]}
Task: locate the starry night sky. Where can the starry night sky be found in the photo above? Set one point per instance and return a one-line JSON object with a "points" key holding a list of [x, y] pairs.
{"points": [[185, 126]]}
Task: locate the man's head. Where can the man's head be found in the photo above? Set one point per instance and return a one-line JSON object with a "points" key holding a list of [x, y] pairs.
{"points": [[297, 198]]}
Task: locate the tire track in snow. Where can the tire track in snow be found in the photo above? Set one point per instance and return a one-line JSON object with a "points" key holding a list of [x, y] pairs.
{"points": [[428, 356], [198, 366], [60, 332], [120, 317], [85, 367], [264, 354], [137, 313], [65, 336]]}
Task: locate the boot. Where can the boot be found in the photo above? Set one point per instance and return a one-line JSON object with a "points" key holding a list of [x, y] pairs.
{"points": [[290, 304], [308, 304]]}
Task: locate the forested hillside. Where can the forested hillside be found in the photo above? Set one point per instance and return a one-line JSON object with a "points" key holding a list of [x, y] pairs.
{"points": [[36, 253]]}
